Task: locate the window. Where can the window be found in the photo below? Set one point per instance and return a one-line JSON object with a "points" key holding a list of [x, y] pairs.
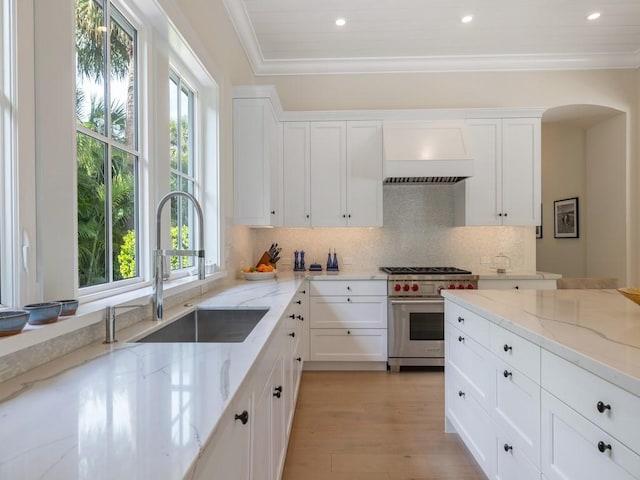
{"points": [[107, 145], [182, 155]]}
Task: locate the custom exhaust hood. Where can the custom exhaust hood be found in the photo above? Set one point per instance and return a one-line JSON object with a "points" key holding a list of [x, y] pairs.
{"points": [[419, 152]]}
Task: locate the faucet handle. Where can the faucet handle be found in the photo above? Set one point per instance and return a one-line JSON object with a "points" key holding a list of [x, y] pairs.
{"points": [[110, 321]]}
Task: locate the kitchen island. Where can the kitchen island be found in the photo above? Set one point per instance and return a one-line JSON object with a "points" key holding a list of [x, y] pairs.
{"points": [[545, 382], [136, 410]]}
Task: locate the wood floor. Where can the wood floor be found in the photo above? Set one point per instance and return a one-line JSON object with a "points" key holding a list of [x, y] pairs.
{"points": [[374, 426]]}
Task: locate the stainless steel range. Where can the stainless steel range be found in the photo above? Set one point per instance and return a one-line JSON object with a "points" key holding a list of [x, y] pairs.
{"points": [[416, 312]]}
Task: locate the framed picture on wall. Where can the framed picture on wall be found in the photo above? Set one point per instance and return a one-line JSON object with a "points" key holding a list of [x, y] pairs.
{"points": [[539, 227], [565, 218]]}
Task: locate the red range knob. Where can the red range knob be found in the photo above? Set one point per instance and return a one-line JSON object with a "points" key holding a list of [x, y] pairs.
{"points": [[415, 287], [452, 286], [461, 287], [397, 288], [406, 287], [470, 287]]}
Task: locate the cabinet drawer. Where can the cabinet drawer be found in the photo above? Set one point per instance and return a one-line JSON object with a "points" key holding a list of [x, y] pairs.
{"points": [[571, 448], [517, 284], [517, 409], [512, 463], [470, 323], [516, 351], [348, 287], [349, 345], [470, 420], [348, 312], [585, 391], [472, 362]]}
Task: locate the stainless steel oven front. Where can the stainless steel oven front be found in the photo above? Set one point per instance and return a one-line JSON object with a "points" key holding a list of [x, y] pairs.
{"points": [[416, 332]]}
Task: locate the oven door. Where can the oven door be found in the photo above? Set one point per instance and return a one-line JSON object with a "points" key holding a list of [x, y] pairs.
{"points": [[416, 329]]}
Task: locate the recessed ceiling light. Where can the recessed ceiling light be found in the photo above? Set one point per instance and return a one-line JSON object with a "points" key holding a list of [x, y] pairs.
{"points": [[467, 19], [594, 16], [341, 22]]}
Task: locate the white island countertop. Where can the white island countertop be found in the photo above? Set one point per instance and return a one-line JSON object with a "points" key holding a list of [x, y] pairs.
{"points": [[598, 330], [134, 410]]}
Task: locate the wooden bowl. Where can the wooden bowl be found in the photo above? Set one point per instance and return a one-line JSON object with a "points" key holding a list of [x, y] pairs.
{"points": [[632, 293]]}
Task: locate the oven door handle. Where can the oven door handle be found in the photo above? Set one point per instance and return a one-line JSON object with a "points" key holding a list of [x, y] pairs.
{"points": [[417, 302]]}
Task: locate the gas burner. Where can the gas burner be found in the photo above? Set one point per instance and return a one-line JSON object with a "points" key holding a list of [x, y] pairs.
{"points": [[424, 271]]}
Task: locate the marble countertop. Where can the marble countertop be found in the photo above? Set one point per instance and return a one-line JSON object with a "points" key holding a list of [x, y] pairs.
{"points": [[518, 276], [598, 330], [133, 410]]}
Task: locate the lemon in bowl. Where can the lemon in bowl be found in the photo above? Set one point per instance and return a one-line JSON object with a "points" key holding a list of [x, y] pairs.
{"points": [[632, 293]]}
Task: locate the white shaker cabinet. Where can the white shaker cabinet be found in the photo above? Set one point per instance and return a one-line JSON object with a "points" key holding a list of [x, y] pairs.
{"points": [[506, 186], [346, 173], [297, 174], [517, 284], [257, 163]]}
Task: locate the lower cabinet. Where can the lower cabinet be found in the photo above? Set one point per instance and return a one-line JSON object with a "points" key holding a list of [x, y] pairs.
{"points": [[349, 345], [512, 283]]}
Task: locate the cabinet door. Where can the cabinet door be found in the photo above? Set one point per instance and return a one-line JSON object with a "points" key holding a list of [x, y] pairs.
{"points": [[349, 345], [297, 174], [575, 449], [478, 199], [257, 163], [521, 171], [364, 174], [227, 455], [328, 173]]}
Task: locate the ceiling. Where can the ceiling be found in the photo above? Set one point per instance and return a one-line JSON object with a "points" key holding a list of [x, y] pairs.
{"points": [[284, 37]]}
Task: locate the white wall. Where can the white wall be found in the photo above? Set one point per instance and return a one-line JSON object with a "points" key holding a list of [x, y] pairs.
{"points": [[606, 215], [563, 176]]}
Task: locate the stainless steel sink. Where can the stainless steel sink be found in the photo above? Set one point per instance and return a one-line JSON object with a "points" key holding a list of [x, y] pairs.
{"points": [[208, 325]]}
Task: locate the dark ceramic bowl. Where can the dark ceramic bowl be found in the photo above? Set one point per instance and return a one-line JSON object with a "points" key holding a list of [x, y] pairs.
{"points": [[69, 307], [41, 313], [12, 322]]}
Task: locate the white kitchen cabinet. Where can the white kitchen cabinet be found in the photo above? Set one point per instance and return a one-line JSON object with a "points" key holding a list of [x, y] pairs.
{"points": [[348, 321], [511, 463], [297, 174], [505, 188], [346, 173], [517, 284], [257, 163], [228, 454], [575, 449]]}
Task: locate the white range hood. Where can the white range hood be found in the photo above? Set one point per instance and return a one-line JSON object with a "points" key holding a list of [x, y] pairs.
{"points": [[426, 152]]}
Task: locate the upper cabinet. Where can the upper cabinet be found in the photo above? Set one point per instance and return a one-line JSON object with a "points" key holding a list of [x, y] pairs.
{"points": [[333, 173], [257, 163], [505, 188]]}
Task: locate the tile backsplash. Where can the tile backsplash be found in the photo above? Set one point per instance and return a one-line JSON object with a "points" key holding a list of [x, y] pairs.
{"points": [[418, 230]]}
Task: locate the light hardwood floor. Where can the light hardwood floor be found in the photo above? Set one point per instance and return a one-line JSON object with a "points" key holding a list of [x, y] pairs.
{"points": [[375, 426]]}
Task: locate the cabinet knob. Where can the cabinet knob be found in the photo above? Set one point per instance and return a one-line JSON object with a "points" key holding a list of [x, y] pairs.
{"points": [[243, 417], [505, 214], [500, 214], [507, 447], [277, 392], [348, 300], [460, 320], [601, 406], [517, 287], [348, 332], [304, 292], [603, 447], [292, 316], [461, 394], [507, 374], [344, 216], [273, 212], [307, 215], [299, 302], [507, 348], [348, 288], [461, 338], [349, 216], [300, 317], [292, 334], [298, 359]]}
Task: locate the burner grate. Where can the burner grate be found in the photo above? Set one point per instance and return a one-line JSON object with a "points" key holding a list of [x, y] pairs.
{"points": [[424, 271]]}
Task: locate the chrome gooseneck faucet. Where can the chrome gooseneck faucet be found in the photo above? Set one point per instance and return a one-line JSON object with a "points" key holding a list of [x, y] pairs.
{"points": [[160, 254]]}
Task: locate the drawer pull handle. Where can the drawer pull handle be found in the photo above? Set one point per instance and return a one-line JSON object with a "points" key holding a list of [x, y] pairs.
{"points": [[507, 374], [460, 319], [461, 394], [603, 447], [461, 338], [292, 334], [243, 417], [601, 406], [507, 348], [507, 447]]}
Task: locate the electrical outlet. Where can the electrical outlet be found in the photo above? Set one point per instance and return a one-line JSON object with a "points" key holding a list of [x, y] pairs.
{"points": [[485, 260], [347, 260], [286, 261]]}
